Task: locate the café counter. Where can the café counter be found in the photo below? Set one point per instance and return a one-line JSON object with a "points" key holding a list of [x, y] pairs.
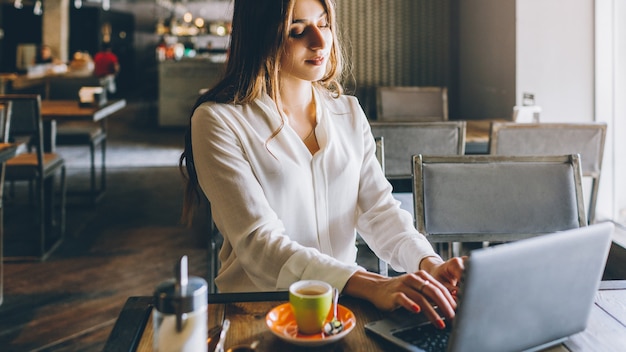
{"points": [[179, 85]]}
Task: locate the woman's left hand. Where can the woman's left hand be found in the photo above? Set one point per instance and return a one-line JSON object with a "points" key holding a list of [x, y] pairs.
{"points": [[448, 273]]}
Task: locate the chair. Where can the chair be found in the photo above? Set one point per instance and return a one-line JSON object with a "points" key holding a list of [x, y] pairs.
{"points": [[412, 104], [39, 168], [586, 139], [405, 139], [81, 133], [496, 198], [203, 219], [380, 151]]}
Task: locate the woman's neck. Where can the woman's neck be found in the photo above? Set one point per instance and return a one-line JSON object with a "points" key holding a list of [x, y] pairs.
{"points": [[296, 97], [298, 106], [296, 102]]}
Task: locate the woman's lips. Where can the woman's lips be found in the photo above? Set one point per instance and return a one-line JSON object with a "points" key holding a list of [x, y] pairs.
{"points": [[316, 61]]}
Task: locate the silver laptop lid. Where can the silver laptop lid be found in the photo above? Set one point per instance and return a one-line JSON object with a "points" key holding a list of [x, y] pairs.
{"points": [[536, 292]]}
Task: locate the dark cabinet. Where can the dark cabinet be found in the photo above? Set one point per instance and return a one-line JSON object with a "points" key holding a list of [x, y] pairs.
{"points": [[19, 26]]}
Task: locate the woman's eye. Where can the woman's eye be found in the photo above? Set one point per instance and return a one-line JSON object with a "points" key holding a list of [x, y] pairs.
{"points": [[296, 33]]}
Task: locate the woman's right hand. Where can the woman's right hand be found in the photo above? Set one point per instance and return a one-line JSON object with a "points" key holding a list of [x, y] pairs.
{"points": [[416, 292]]}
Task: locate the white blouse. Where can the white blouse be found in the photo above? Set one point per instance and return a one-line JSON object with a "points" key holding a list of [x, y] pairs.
{"points": [[287, 215]]}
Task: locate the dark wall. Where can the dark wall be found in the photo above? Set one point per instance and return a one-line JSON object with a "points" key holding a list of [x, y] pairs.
{"points": [[389, 42], [20, 26]]}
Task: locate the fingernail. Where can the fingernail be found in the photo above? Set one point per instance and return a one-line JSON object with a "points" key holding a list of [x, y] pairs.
{"points": [[440, 324], [416, 308]]}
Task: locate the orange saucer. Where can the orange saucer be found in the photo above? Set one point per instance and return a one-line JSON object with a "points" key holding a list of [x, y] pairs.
{"points": [[281, 322]]}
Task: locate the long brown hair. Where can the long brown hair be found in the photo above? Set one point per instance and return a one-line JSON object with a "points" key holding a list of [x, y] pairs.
{"points": [[259, 29]]}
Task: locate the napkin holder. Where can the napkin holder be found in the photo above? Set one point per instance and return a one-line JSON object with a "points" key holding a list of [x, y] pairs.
{"points": [[91, 96]]}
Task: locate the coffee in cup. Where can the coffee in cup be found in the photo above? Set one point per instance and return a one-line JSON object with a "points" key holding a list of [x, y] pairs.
{"points": [[310, 302]]}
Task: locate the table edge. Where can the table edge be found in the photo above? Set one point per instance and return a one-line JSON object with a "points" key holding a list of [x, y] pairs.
{"points": [[130, 324]]}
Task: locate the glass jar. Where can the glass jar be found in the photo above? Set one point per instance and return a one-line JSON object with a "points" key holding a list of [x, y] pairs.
{"points": [[180, 314]]}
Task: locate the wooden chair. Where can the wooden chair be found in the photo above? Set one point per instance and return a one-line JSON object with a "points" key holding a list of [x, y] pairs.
{"points": [[39, 168], [412, 104], [586, 139], [82, 133], [496, 198]]}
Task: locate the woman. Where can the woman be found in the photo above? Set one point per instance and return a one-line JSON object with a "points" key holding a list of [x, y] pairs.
{"points": [[289, 167]]}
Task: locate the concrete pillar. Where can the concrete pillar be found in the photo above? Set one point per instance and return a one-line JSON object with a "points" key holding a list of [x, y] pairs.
{"points": [[56, 27]]}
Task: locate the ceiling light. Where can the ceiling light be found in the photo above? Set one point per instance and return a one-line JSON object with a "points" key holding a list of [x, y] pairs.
{"points": [[187, 17]]}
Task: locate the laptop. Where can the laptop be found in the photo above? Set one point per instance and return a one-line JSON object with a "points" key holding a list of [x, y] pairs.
{"points": [[519, 296]]}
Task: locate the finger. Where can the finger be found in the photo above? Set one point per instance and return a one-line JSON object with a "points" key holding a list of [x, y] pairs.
{"points": [[441, 293], [435, 294], [457, 267], [428, 309], [453, 271], [439, 296], [408, 304]]}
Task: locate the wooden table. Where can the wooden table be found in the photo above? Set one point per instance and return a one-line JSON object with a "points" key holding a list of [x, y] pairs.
{"points": [[70, 110], [53, 111], [606, 330], [477, 136], [7, 151]]}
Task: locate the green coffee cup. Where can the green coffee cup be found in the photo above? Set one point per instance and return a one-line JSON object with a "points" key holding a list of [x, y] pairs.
{"points": [[310, 302]]}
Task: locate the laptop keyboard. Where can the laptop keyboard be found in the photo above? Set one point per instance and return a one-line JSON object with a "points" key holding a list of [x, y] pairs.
{"points": [[426, 337]]}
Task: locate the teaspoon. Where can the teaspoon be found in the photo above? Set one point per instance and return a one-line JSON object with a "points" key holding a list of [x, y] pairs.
{"points": [[334, 326]]}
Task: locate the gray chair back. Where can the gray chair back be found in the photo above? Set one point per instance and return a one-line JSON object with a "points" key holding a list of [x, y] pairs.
{"points": [[412, 103], [586, 139], [405, 139], [496, 198], [380, 150]]}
